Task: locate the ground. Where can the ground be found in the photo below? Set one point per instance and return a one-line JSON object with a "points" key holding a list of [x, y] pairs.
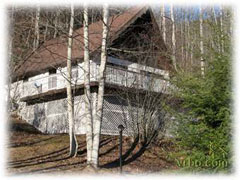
{"points": [[31, 151]]}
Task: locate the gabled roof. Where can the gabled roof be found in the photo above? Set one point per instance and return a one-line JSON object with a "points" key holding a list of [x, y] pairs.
{"points": [[53, 53]]}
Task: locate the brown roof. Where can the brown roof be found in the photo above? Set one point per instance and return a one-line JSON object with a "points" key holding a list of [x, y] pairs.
{"points": [[53, 53]]}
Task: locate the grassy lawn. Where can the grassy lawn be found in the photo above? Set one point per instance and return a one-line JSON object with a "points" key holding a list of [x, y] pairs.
{"points": [[33, 152]]}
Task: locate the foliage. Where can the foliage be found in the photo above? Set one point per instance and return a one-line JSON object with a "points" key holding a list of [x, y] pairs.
{"points": [[203, 116]]}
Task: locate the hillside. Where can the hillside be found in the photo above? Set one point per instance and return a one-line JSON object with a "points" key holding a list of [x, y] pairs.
{"points": [[30, 151]]}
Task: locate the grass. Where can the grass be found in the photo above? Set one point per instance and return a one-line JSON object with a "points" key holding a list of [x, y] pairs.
{"points": [[30, 152]]}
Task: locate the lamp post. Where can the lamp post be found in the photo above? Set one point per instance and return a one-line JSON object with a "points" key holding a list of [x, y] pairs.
{"points": [[120, 128]]}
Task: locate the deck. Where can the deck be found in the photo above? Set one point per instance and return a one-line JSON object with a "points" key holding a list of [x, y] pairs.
{"points": [[114, 75]]}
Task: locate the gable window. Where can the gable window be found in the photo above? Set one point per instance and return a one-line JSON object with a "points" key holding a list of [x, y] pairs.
{"points": [[52, 80]]}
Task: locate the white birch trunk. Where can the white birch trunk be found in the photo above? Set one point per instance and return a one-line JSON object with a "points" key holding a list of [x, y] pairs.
{"points": [[182, 39], [10, 35], [187, 38], [216, 24], [191, 42], [201, 41], [46, 31], [221, 28], [73, 140], [173, 39], [98, 115], [163, 23], [214, 15], [88, 112], [56, 25], [36, 38]]}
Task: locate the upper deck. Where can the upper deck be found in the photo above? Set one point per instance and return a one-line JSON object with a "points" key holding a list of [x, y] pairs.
{"points": [[118, 73]]}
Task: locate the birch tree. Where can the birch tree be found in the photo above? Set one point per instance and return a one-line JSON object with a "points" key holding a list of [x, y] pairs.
{"points": [[163, 23], [36, 38], [46, 28], [214, 15], [73, 140], [87, 93], [173, 38], [201, 41], [56, 22], [187, 35], [221, 29], [98, 114], [10, 61], [182, 36]]}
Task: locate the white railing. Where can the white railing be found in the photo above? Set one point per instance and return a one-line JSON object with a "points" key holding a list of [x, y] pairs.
{"points": [[114, 75], [124, 77]]}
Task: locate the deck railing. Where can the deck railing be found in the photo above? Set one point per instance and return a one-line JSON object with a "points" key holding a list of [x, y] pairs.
{"points": [[124, 77], [114, 75]]}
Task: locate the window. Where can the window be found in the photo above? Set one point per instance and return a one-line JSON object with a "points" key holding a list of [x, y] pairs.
{"points": [[52, 82]]}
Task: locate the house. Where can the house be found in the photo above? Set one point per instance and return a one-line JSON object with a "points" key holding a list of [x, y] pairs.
{"points": [[136, 57]]}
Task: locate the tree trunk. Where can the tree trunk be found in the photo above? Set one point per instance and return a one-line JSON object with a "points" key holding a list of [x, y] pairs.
{"points": [[56, 25], [36, 38], [173, 39], [163, 24], [201, 41], [46, 29], [98, 115], [214, 16], [187, 37], [10, 61], [182, 39], [88, 117], [73, 140], [221, 29]]}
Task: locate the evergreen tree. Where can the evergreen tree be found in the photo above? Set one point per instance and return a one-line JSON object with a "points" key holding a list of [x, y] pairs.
{"points": [[203, 113]]}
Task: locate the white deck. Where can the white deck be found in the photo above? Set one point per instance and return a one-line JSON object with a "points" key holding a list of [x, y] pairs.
{"points": [[122, 73]]}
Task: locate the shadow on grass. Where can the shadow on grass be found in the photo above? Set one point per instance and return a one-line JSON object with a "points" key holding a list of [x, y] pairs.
{"points": [[42, 157], [102, 143], [53, 157], [126, 158], [65, 166], [29, 143], [109, 150], [56, 167], [115, 163]]}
